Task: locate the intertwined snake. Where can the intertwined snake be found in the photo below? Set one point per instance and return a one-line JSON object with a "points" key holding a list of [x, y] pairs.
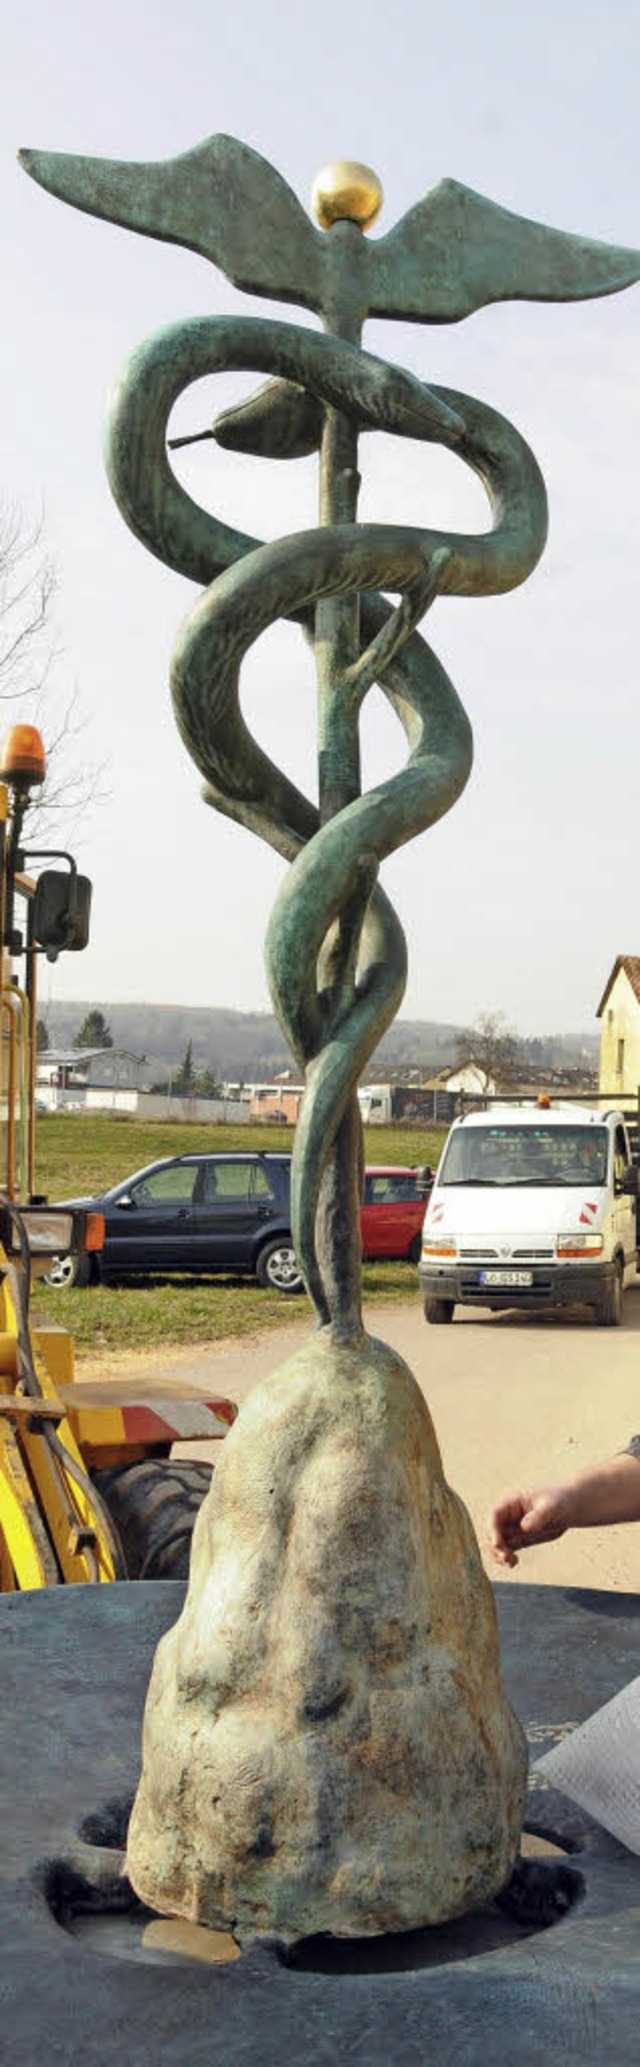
{"points": [[335, 950], [332, 1026]]}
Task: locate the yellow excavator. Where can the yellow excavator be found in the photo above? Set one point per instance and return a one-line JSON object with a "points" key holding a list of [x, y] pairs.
{"points": [[89, 1490]]}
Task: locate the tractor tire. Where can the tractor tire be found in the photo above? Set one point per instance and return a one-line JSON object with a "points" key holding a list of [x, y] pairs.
{"points": [[67, 1271], [154, 1505], [609, 1308], [438, 1311]]}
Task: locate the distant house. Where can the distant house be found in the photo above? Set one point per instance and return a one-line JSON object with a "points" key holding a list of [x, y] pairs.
{"points": [[66, 1082], [65, 1069], [467, 1077], [619, 1012], [73, 1080], [278, 1102]]}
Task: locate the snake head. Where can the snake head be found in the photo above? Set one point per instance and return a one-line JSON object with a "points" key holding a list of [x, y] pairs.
{"points": [[283, 421]]}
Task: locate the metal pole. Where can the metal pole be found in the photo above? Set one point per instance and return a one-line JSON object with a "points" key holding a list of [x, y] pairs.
{"points": [[337, 646]]}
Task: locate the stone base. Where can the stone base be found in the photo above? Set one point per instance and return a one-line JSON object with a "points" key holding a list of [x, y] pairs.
{"points": [[75, 1670], [327, 1743]]}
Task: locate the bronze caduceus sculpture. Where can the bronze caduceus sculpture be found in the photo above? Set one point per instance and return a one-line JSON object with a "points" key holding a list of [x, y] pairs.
{"points": [[327, 1742]]}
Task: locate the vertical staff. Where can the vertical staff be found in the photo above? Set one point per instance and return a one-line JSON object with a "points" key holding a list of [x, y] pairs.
{"points": [[346, 200]]}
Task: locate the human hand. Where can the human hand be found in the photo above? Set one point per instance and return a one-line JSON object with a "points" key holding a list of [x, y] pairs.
{"points": [[538, 1515]]}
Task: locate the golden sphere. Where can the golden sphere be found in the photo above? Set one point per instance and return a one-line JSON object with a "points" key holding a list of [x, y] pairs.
{"points": [[346, 191]]}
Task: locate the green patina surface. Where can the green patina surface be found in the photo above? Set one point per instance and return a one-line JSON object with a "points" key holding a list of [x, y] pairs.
{"points": [[335, 950]]}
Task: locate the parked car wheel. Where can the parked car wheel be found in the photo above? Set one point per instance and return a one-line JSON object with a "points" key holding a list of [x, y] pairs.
{"points": [[278, 1266], [438, 1311], [154, 1504], [66, 1271], [609, 1308]]}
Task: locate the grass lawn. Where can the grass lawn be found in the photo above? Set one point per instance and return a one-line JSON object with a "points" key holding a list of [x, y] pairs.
{"points": [[88, 1152]]}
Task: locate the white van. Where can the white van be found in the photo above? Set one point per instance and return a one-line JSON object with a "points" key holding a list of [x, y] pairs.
{"points": [[534, 1205]]}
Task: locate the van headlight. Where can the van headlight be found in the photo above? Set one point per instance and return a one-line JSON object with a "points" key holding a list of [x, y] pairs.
{"points": [[579, 1244], [439, 1245]]}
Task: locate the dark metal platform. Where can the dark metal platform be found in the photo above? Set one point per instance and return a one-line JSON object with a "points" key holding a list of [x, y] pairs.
{"points": [[477, 1993]]}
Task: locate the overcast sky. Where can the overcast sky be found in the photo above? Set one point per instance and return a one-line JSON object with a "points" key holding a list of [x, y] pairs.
{"points": [[520, 900]]}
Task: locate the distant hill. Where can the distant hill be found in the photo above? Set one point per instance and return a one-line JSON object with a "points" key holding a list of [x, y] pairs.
{"points": [[246, 1046]]}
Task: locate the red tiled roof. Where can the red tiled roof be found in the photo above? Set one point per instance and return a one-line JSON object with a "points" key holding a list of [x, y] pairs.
{"points": [[631, 966]]}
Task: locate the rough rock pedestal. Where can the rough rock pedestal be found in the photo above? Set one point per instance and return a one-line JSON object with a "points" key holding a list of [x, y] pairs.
{"points": [[327, 1744]]}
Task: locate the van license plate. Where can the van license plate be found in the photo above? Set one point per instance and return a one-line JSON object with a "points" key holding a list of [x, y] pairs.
{"points": [[505, 1277]]}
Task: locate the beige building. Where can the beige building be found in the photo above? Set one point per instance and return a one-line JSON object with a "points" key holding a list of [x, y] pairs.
{"points": [[277, 1102], [619, 1011]]}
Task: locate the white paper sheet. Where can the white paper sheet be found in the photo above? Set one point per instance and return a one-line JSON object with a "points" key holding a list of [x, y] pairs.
{"points": [[598, 1765]]}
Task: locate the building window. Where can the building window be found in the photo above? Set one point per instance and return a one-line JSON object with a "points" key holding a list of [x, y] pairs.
{"points": [[621, 1058]]}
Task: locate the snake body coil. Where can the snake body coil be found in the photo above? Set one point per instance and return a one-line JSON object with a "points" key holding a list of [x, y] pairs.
{"points": [[332, 1028]]}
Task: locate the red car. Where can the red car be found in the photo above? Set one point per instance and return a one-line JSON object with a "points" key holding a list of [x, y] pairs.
{"points": [[394, 1206]]}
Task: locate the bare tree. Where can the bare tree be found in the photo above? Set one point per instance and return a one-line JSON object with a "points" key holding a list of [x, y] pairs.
{"points": [[27, 588], [30, 687], [492, 1048]]}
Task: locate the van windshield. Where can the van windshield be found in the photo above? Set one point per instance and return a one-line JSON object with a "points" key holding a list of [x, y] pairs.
{"points": [[526, 1155]]}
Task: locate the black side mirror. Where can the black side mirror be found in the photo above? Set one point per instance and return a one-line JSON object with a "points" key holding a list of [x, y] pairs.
{"points": [[629, 1182], [61, 911], [425, 1177]]}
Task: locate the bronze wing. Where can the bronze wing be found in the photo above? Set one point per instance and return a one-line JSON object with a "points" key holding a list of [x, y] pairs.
{"points": [[221, 199], [455, 252]]}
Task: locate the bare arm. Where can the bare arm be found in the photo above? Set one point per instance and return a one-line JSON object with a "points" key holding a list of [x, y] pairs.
{"points": [[608, 1492]]}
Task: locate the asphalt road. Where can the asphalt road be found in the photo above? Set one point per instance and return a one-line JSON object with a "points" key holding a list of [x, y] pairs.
{"points": [[515, 1400]]}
